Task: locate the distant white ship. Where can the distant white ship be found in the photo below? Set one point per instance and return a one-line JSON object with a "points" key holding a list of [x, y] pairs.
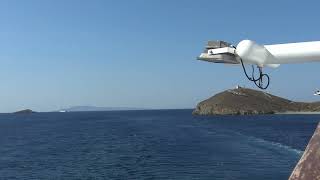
{"points": [[317, 93], [62, 111]]}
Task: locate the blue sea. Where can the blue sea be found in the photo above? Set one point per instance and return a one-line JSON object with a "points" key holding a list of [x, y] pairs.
{"points": [[154, 144]]}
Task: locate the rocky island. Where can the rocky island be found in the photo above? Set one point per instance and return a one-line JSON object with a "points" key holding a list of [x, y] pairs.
{"points": [[244, 101], [25, 111]]}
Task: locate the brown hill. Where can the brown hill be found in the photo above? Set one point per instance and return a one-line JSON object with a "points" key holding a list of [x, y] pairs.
{"points": [[248, 101]]}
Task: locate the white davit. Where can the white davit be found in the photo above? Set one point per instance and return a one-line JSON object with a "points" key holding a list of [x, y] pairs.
{"points": [[248, 52], [251, 52]]}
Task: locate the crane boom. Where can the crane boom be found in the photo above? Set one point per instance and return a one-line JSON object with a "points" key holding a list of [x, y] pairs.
{"points": [[249, 52], [295, 52]]}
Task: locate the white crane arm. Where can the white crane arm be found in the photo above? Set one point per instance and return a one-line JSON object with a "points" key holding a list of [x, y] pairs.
{"points": [[249, 52], [253, 53]]}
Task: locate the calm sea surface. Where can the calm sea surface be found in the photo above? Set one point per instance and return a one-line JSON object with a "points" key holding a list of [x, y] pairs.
{"points": [[164, 144]]}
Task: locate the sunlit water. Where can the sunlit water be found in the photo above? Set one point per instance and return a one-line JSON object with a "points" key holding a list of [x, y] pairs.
{"points": [[167, 144]]}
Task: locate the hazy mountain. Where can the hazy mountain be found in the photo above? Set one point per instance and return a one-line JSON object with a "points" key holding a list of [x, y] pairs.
{"points": [[94, 108]]}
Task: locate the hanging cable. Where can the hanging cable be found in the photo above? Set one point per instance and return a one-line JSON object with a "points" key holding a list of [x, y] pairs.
{"points": [[257, 81]]}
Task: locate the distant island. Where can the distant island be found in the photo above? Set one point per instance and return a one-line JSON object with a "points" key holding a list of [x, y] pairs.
{"points": [[243, 101], [25, 111], [94, 108]]}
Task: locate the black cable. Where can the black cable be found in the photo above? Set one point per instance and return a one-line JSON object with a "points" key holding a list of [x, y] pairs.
{"points": [[259, 81], [252, 78]]}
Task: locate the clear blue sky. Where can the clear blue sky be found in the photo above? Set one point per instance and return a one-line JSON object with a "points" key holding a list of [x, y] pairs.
{"points": [[141, 53]]}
